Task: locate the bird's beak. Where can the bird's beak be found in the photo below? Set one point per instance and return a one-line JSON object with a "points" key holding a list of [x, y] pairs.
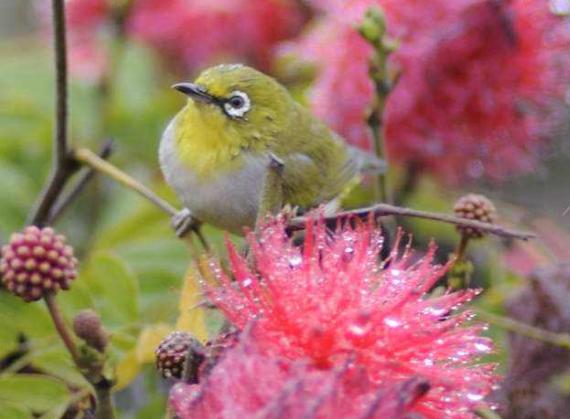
{"points": [[195, 91]]}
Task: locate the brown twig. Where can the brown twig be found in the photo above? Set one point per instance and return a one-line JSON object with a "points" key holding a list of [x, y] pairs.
{"points": [[61, 109], [383, 210], [87, 157], [85, 177], [61, 328], [63, 167], [512, 325], [104, 401]]}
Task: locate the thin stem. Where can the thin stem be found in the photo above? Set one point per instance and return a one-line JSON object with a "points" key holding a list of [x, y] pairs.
{"points": [[87, 157], [459, 276], [85, 177], [60, 326], [202, 239], [92, 160], [461, 248], [61, 112], [62, 169], [104, 401], [373, 30], [557, 339], [383, 210], [49, 195], [376, 125]]}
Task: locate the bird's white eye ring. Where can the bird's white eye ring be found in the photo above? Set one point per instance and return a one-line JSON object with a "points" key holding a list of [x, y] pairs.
{"points": [[237, 105]]}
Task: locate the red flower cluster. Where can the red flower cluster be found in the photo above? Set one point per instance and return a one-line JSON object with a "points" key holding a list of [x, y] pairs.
{"points": [[331, 305], [247, 382], [188, 33], [479, 87]]}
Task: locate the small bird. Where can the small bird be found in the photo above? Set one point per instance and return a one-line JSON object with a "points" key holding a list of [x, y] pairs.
{"points": [[216, 151]]}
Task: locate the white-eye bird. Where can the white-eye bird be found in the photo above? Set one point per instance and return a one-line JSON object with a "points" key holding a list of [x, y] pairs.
{"points": [[215, 152]]}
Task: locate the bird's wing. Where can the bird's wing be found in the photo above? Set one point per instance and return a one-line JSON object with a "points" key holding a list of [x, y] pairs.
{"points": [[366, 162]]}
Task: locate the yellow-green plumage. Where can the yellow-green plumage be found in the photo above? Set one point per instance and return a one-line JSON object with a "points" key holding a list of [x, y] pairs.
{"points": [[222, 154]]}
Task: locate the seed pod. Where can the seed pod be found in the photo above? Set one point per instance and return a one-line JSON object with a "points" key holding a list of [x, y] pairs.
{"points": [[477, 208], [36, 262], [87, 326], [172, 353]]}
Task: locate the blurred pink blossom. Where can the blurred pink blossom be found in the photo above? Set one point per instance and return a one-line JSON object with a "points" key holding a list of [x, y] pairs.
{"points": [[189, 34], [332, 302], [481, 83]]}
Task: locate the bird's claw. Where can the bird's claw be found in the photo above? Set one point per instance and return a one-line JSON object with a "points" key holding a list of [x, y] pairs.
{"points": [[183, 222]]}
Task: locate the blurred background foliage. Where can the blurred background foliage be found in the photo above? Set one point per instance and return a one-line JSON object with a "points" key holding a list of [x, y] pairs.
{"points": [[133, 269]]}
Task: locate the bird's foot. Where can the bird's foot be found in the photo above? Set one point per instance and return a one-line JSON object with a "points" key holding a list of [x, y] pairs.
{"points": [[183, 222]]}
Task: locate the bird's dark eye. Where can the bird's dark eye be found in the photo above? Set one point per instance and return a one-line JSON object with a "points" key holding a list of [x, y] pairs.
{"points": [[237, 105], [236, 102]]}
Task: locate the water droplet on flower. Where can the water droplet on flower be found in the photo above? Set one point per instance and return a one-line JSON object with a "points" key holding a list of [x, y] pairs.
{"points": [[483, 347], [246, 282], [392, 322], [348, 254], [295, 261], [474, 397], [358, 330], [435, 311]]}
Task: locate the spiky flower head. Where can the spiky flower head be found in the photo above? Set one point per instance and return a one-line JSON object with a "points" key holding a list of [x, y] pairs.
{"points": [[333, 301], [247, 383], [474, 207], [36, 262], [172, 353]]}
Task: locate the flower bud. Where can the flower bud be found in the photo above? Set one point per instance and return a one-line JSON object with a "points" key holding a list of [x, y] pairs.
{"points": [[87, 326], [172, 353], [36, 262], [477, 208]]}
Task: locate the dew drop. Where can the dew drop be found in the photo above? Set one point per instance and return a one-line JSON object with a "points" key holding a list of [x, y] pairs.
{"points": [[474, 397], [295, 261], [482, 347], [392, 322], [436, 311], [357, 330], [247, 282]]}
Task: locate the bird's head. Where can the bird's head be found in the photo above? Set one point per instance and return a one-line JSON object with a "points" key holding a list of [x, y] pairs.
{"points": [[236, 104]]}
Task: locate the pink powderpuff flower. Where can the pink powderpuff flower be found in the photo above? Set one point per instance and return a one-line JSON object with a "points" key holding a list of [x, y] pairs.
{"points": [[333, 301], [189, 34], [480, 88], [248, 384], [195, 33]]}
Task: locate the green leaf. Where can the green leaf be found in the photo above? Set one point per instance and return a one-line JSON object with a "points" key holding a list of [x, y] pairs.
{"points": [[39, 393], [114, 288], [30, 318], [13, 411], [58, 363]]}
